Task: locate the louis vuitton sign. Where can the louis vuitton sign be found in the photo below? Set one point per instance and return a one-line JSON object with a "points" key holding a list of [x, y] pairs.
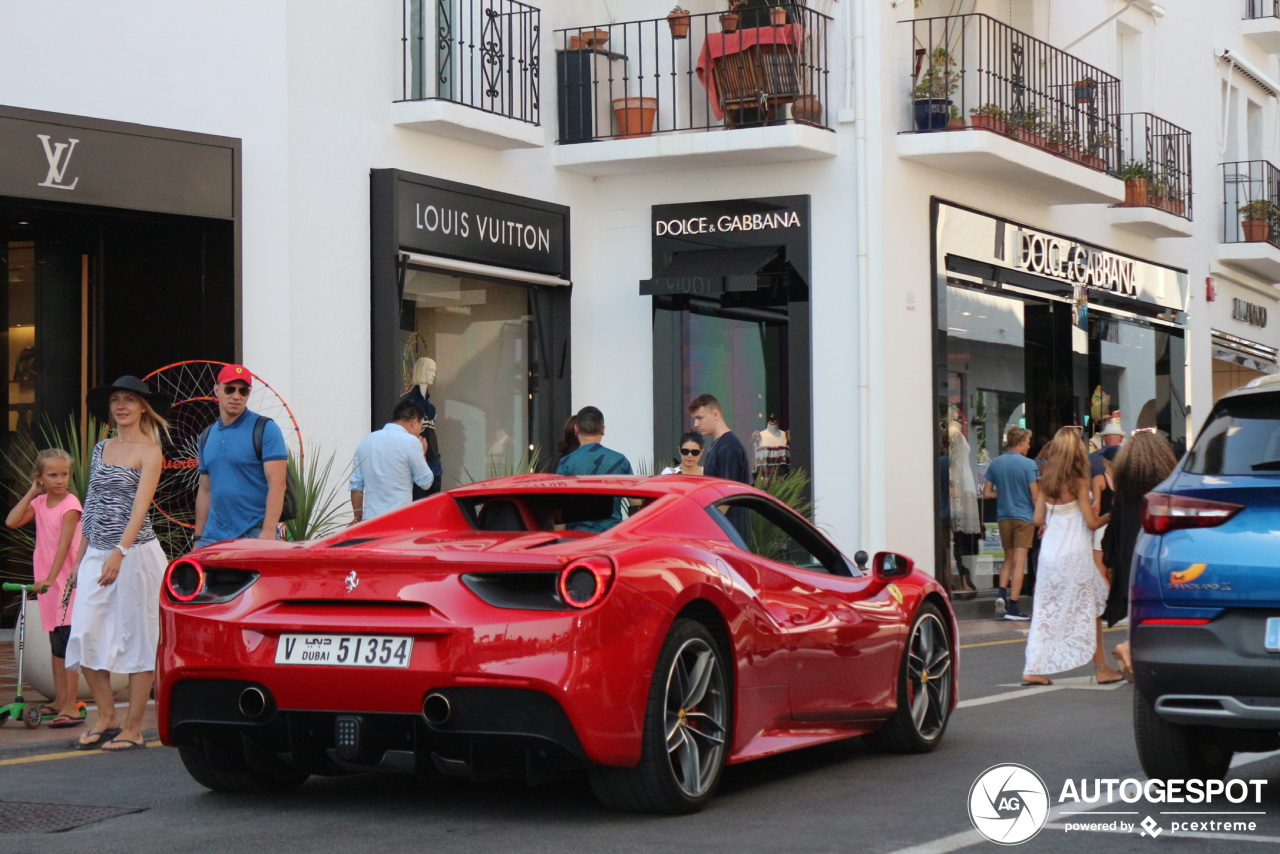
{"points": [[94, 162]]}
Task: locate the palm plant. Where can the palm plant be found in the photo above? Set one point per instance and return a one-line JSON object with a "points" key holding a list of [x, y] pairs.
{"points": [[322, 497], [18, 461]]}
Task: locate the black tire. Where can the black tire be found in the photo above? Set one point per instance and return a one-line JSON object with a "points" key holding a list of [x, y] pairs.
{"points": [[691, 697], [216, 769], [925, 679], [1171, 751]]}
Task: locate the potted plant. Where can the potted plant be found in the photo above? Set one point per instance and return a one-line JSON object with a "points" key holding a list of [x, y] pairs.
{"points": [[778, 14], [1062, 139], [1256, 217], [934, 86], [678, 21], [957, 121], [1137, 176], [1028, 126], [729, 19], [989, 116], [1097, 144]]}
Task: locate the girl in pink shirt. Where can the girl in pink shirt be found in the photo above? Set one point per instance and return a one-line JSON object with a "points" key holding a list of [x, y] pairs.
{"points": [[57, 515]]}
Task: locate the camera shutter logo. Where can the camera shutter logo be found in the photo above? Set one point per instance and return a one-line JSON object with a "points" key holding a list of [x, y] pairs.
{"points": [[59, 156], [1008, 804]]}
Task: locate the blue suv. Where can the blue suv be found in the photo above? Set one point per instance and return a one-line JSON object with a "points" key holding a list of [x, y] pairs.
{"points": [[1205, 614]]}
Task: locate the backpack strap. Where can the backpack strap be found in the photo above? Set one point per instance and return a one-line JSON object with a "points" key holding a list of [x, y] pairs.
{"points": [[259, 427], [202, 439]]}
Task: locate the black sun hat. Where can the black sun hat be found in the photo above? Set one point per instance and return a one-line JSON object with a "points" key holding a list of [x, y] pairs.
{"points": [[99, 399]]}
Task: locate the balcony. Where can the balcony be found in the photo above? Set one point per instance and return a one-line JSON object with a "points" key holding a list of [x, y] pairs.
{"points": [[1261, 24], [470, 71], [1251, 218], [694, 90], [1155, 164], [1041, 123]]}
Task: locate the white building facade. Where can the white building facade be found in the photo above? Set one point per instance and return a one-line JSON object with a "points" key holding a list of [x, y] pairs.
{"points": [[574, 203]]}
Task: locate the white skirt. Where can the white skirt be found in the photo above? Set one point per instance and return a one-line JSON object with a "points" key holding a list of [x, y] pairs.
{"points": [[117, 627]]}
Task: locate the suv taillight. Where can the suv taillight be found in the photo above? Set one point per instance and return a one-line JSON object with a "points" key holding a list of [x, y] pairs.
{"points": [[1163, 512]]}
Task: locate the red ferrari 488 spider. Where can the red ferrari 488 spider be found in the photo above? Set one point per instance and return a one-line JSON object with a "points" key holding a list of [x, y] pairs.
{"points": [[493, 630]]}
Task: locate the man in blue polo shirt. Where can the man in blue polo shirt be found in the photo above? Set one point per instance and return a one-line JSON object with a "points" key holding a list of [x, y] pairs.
{"points": [[1012, 480], [241, 492]]}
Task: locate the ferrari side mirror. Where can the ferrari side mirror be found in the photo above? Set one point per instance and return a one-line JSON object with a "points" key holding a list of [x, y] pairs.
{"points": [[886, 566]]}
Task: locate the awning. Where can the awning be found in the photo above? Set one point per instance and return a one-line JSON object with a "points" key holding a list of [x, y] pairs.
{"points": [[711, 271], [1243, 352]]}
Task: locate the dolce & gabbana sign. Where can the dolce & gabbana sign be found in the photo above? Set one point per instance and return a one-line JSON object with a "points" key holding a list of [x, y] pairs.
{"points": [[727, 223], [1059, 258], [437, 217]]}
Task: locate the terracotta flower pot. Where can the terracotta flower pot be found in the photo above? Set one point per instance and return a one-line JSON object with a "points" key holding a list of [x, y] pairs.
{"points": [[807, 109], [729, 22], [1135, 192], [679, 25], [995, 123], [778, 16], [1256, 230], [635, 116]]}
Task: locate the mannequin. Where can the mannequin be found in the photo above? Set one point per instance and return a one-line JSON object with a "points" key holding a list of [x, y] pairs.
{"points": [[966, 523], [424, 376], [773, 451]]}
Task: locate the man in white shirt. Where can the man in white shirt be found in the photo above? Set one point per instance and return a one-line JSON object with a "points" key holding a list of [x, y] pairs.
{"points": [[388, 463]]}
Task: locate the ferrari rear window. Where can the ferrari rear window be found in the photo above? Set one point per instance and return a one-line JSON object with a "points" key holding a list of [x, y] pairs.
{"points": [[1242, 437], [552, 511]]}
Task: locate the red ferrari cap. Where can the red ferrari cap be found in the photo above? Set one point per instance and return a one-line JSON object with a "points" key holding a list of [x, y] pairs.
{"points": [[231, 373]]}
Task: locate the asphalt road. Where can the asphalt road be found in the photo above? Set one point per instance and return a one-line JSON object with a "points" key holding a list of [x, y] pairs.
{"points": [[832, 799]]}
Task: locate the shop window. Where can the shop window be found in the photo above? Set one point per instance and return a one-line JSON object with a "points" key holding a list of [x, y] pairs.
{"points": [[479, 335], [740, 348]]}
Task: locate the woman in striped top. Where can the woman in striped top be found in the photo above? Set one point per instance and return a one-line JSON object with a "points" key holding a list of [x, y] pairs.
{"points": [[116, 623]]}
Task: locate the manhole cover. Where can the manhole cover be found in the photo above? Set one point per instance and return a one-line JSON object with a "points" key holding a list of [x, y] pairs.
{"points": [[52, 818]]}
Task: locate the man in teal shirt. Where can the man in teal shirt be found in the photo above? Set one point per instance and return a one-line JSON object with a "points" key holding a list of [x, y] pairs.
{"points": [[593, 458]]}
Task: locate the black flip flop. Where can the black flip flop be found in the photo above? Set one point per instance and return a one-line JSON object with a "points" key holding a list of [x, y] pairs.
{"points": [[102, 738], [130, 745]]}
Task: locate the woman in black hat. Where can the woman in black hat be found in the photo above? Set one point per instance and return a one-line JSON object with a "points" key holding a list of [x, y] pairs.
{"points": [[116, 623]]}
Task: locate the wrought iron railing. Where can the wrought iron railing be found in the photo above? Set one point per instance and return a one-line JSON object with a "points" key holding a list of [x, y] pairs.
{"points": [[1155, 161], [691, 73], [1261, 9], [975, 68], [1251, 202], [479, 53]]}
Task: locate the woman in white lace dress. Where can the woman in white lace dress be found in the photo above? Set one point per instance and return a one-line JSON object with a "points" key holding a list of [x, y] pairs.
{"points": [[1070, 592]]}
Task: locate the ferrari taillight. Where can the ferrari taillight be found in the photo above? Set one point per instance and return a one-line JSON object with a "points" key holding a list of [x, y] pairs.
{"points": [[184, 579], [585, 581], [1163, 512], [190, 582]]}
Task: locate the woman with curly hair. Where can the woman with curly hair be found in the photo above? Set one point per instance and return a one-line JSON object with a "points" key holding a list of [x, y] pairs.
{"points": [[1145, 459], [1070, 592]]}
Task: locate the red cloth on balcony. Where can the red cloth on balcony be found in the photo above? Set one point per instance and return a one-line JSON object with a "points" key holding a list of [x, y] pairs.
{"points": [[722, 44]]}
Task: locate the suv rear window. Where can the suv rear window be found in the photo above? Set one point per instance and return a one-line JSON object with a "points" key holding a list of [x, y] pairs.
{"points": [[1242, 437]]}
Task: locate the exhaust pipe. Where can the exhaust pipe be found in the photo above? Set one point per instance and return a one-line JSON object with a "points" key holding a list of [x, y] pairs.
{"points": [[437, 709], [253, 702]]}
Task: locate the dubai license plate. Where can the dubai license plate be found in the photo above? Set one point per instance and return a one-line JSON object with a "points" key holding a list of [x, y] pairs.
{"points": [[345, 650], [1272, 642]]}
